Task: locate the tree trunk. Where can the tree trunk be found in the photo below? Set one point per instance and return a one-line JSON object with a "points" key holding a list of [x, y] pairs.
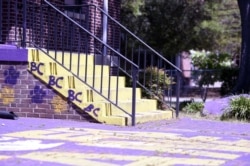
{"points": [[243, 83]]}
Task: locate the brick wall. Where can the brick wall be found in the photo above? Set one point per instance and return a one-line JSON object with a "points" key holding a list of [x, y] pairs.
{"points": [[52, 30], [26, 96]]}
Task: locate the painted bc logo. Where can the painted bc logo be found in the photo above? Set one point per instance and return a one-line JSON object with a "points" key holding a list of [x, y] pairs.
{"points": [[36, 67], [74, 96], [53, 81]]}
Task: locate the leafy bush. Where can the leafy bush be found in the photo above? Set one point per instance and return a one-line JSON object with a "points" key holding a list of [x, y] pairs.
{"points": [[184, 103], [239, 108], [213, 62], [157, 81], [193, 107], [215, 67]]}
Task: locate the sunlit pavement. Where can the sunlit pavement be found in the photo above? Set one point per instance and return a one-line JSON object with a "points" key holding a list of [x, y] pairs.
{"points": [[32, 142]]}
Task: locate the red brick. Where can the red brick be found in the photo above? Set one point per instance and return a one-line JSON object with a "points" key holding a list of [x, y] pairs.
{"points": [[74, 117], [13, 109], [39, 110], [49, 116], [32, 115], [28, 110], [21, 114], [22, 105], [44, 106], [60, 116]]}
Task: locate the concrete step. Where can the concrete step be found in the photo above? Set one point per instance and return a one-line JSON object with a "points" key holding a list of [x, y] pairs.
{"points": [[142, 105], [63, 58], [141, 117], [53, 68], [88, 95], [123, 94]]}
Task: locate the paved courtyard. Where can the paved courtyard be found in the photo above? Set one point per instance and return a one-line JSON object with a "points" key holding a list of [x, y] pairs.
{"points": [[186, 141]]}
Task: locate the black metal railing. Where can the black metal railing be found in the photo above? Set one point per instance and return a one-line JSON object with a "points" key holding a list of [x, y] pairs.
{"points": [[76, 29]]}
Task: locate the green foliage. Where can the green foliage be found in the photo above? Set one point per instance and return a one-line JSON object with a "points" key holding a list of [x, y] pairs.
{"points": [[210, 65], [209, 60], [215, 67], [193, 24], [239, 108], [224, 24], [183, 104], [174, 23], [193, 107], [132, 6], [157, 81]]}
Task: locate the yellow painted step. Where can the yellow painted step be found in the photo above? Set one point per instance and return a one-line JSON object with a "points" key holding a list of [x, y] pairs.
{"points": [[35, 55], [90, 70], [123, 94], [150, 116], [114, 120], [140, 117], [72, 58], [104, 82], [142, 105]]}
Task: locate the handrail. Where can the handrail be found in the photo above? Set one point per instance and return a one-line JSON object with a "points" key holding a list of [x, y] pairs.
{"points": [[136, 66]]}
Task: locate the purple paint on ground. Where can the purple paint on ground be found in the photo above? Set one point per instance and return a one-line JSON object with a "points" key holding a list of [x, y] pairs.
{"points": [[215, 107]]}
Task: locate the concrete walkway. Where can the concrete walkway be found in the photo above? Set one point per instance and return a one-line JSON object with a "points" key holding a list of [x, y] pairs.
{"points": [[186, 141]]}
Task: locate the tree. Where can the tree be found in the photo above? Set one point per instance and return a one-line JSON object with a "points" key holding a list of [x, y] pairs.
{"points": [[243, 83], [225, 23], [172, 26]]}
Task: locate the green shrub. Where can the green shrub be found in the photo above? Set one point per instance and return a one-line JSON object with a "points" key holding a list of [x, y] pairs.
{"points": [[184, 103], [239, 108], [193, 107], [157, 81], [221, 69]]}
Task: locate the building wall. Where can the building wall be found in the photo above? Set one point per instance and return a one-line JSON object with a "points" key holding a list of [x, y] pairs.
{"points": [[52, 30]]}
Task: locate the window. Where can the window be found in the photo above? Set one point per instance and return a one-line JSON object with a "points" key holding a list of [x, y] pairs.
{"points": [[73, 9]]}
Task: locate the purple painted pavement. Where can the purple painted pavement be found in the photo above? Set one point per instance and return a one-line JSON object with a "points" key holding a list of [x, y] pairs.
{"points": [[182, 137]]}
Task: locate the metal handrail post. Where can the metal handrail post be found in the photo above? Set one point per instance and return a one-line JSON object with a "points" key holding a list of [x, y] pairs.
{"points": [[1, 19], [23, 42], [134, 77], [178, 87]]}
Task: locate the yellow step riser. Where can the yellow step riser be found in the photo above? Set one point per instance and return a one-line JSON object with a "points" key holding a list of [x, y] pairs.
{"points": [[74, 58], [35, 55], [55, 69], [91, 96], [103, 82], [72, 82], [124, 94], [151, 116], [91, 70], [119, 121], [141, 106], [140, 118], [52, 68]]}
